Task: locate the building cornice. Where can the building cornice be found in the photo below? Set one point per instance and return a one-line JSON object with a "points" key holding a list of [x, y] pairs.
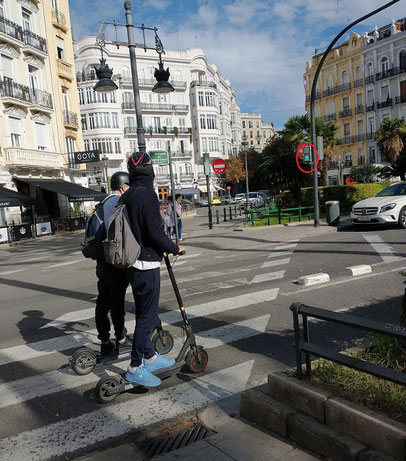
{"points": [[15, 111], [29, 5], [41, 118], [34, 61], [9, 51]]}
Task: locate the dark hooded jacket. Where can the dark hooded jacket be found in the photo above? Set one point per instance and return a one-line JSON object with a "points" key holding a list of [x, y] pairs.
{"points": [[145, 218]]}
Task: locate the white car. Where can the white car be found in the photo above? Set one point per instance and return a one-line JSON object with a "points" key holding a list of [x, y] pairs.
{"points": [[240, 197], [386, 207]]}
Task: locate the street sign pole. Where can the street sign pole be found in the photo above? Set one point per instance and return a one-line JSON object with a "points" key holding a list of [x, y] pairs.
{"points": [[175, 217], [207, 166]]}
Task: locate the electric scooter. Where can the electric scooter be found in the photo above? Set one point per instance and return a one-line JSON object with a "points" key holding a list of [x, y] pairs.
{"points": [[84, 360], [193, 356]]}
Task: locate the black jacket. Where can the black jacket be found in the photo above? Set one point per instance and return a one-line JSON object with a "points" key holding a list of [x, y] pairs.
{"points": [[145, 219]]}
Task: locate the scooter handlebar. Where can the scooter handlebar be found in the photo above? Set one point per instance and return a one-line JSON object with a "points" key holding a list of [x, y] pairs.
{"points": [[181, 253]]}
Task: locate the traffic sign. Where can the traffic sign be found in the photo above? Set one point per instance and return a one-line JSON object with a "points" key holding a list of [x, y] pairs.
{"points": [[228, 187], [159, 157], [219, 166]]}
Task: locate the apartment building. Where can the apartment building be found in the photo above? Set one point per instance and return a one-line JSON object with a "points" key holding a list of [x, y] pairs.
{"points": [[384, 57], [38, 100], [200, 116], [255, 131], [340, 98]]}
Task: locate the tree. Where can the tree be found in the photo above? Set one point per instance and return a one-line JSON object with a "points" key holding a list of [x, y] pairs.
{"points": [[235, 171], [397, 168], [389, 138], [366, 173]]}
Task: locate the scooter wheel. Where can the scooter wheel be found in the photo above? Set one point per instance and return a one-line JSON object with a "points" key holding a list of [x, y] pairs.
{"points": [[197, 364], [162, 345], [104, 387], [83, 361]]}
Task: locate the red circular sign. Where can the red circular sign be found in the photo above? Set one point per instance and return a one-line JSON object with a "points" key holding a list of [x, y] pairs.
{"points": [[219, 166], [228, 187], [349, 181], [299, 154]]}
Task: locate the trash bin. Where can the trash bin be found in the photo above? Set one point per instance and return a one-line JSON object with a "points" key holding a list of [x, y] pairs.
{"points": [[333, 213]]}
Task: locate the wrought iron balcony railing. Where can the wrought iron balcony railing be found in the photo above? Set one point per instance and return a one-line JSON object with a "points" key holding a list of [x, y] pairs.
{"points": [[387, 103], [41, 98], [345, 113], [329, 117], [11, 29], [9, 88], [400, 99], [70, 118], [35, 41]]}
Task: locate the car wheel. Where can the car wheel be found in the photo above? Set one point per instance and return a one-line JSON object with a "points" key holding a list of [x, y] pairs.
{"points": [[402, 218]]}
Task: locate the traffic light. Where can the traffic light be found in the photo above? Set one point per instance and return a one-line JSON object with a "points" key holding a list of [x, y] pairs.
{"points": [[307, 154]]}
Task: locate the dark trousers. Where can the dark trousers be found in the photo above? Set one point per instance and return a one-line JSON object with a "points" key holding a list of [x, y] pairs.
{"points": [[145, 286], [112, 285]]}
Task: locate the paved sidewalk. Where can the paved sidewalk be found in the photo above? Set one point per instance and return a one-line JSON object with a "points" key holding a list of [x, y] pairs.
{"points": [[235, 440]]}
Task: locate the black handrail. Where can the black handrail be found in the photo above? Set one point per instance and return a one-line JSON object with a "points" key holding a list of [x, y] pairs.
{"points": [[304, 346]]}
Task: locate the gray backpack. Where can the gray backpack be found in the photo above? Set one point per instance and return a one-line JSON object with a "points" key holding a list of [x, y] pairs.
{"points": [[121, 249]]}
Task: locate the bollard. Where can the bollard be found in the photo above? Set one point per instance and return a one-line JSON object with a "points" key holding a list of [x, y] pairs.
{"points": [[240, 210], [231, 214], [235, 211], [225, 215], [217, 217]]}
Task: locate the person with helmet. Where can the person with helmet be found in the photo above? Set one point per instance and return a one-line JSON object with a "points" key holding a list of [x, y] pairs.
{"points": [[112, 282], [146, 223]]}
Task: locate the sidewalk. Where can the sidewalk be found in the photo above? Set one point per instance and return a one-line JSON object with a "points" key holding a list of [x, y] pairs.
{"points": [[235, 439]]}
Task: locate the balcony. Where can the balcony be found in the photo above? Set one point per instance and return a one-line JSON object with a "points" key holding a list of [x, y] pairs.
{"points": [[369, 79], [400, 99], [359, 109], [186, 177], [13, 92], [333, 165], [70, 119], [337, 89], [387, 103], [317, 96], [150, 83], [345, 140], [370, 108], [345, 113], [184, 154], [31, 158], [59, 20], [358, 82], [329, 117], [203, 83], [64, 69], [37, 44], [371, 159], [11, 32], [359, 137], [384, 74], [129, 105], [41, 98], [347, 163]]}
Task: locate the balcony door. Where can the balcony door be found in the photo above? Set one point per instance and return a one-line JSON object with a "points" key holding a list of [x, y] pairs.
{"points": [[65, 100], [402, 60], [26, 16], [15, 131], [157, 124], [403, 89], [33, 77]]}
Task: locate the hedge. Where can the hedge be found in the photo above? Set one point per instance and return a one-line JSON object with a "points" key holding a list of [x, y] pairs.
{"points": [[347, 195]]}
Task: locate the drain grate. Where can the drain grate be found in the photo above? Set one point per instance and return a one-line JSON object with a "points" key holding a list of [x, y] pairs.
{"points": [[173, 442]]}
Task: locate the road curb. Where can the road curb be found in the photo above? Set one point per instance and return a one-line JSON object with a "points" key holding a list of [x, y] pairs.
{"points": [[323, 277]]}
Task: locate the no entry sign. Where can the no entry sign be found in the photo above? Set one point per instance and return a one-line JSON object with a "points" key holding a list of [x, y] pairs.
{"points": [[219, 166]]}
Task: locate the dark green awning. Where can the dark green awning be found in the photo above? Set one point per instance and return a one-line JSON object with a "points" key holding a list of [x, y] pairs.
{"points": [[74, 192], [9, 198]]}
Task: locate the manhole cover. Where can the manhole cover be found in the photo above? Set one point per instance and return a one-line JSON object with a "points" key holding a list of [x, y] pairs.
{"points": [[155, 447]]}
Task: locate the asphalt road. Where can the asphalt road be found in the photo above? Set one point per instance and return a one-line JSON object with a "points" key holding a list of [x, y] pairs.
{"points": [[237, 288]]}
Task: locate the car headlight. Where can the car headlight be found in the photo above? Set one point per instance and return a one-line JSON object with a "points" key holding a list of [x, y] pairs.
{"points": [[390, 206]]}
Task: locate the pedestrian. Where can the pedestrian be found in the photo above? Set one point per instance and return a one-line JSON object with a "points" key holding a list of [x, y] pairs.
{"points": [[112, 282], [146, 223], [169, 216], [178, 198]]}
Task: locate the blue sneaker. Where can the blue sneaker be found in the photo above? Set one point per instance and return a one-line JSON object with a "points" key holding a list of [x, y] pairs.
{"points": [[141, 375], [159, 363]]}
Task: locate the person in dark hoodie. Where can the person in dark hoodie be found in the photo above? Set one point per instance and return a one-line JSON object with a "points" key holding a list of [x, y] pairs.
{"points": [[146, 223]]}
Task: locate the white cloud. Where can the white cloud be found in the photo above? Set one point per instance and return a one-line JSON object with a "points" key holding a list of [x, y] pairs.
{"points": [[159, 5]]}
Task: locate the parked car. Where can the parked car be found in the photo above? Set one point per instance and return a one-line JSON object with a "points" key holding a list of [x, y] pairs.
{"points": [[186, 204], [255, 199], [200, 202], [386, 207], [215, 201], [227, 200], [240, 198]]}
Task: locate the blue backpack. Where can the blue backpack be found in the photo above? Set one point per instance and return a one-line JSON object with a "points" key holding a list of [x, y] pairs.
{"points": [[95, 233]]}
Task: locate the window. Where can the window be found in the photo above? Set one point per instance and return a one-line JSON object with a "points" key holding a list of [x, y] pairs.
{"points": [[41, 133], [60, 48], [361, 157], [243, 123], [182, 122], [257, 124], [213, 144], [201, 98], [114, 119], [346, 103], [15, 131], [370, 70], [251, 134], [358, 73], [130, 122], [341, 52], [91, 121], [204, 144], [87, 144], [370, 97], [112, 97], [403, 89], [70, 145], [65, 99], [1, 8], [202, 122], [7, 65], [258, 134], [83, 120], [220, 108], [344, 77], [360, 127], [104, 145], [346, 129], [402, 60], [384, 93], [250, 124], [384, 64], [117, 146], [26, 19], [211, 122], [33, 77], [90, 95], [81, 96], [359, 99], [210, 99]]}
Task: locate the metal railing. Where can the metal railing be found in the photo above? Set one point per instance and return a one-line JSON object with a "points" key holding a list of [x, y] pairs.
{"points": [[400, 99], [151, 82], [370, 135], [329, 117], [70, 118], [359, 109], [280, 214], [387, 103], [185, 153], [9, 88], [345, 140], [304, 346], [333, 166], [359, 137], [370, 107], [41, 98], [369, 79], [204, 83], [129, 105], [347, 163], [358, 82], [345, 113], [35, 41], [337, 89], [11, 29]]}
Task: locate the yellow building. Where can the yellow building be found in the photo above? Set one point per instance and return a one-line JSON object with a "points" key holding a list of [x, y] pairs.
{"points": [[256, 132], [340, 99]]}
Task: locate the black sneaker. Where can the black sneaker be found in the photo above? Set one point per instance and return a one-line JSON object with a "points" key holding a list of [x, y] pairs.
{"points": [[126, 344], [106, 349]]}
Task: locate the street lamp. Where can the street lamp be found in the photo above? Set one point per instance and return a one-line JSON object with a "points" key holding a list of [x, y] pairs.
{"points": [[245, 143]]}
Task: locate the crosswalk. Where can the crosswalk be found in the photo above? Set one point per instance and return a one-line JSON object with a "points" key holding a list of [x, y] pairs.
{"points": [[229, 302]]}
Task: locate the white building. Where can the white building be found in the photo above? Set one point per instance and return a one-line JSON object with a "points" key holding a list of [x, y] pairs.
{"points": [[384, 58], [200, 116]]}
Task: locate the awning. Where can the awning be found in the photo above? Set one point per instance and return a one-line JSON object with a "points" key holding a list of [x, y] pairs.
{"points": [[203, 189], [9, 198], [186, 191], [74, 192], [217, 187]]}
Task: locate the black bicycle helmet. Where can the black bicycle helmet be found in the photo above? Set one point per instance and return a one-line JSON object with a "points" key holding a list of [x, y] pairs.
{"points": [[118, 179], [140, 163]]}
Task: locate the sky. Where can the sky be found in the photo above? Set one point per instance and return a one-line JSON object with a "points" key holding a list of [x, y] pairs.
{"points": [[261, 46]]}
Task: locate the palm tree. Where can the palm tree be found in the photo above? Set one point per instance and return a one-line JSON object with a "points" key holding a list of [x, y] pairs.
{"points": [[390, 136]]}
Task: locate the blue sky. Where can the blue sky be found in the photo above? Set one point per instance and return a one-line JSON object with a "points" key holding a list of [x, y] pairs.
{"points": [[261, 46]]}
